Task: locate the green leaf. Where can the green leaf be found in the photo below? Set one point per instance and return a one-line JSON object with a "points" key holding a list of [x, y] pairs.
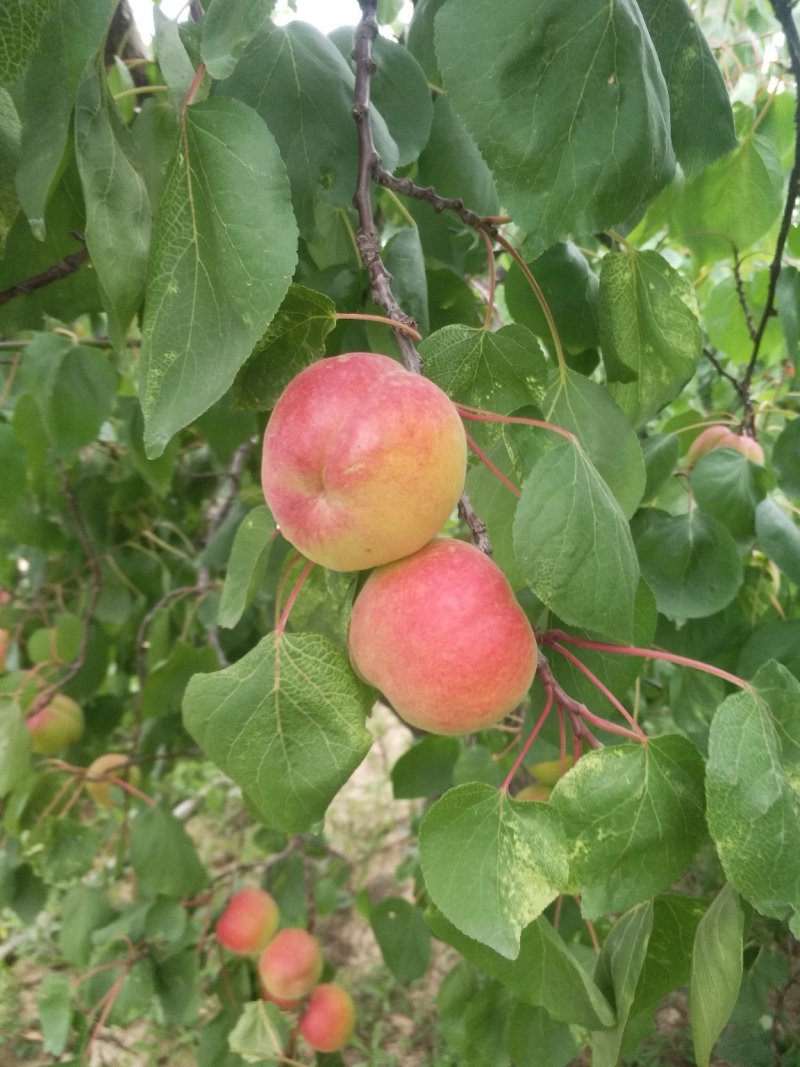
{"points": [[227, 30], [574, 545], [294, 339], [260, 1034], [297, 80], [403, 937], [511, 856], [649, 330], [174, 63], [474, 1024], [88, 910], [716, 971], [690, 562], [211, 290], [778, 639], [786, 458], [534, 1038], [544, 973], [55, 1012], [585, 408], [68, 40], [498, 372], [633, 815], [561, 166], [117, 207], [164, 856], [420, 39], [669, 950], [73, 386], [619, 968], [426, 770], [247, 564], [15, 745], [178, 985], [787, 293], [700, 112], [732, 202], [751, 788], [165, 683], [727, 486], [398, 90], [570, 287], [496, 505], [10, 132], [452, 164], [779, 537], [660, 459], [286, 722], [21, 22]]}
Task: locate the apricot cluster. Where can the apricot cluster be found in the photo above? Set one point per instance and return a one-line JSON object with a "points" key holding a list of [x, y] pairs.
{"points": [[289, 968], [363, 463]]}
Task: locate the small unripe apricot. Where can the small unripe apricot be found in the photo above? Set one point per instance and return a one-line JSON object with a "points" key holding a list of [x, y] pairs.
{"points": [[549, 771], [248, 922], [56, 726], [291, 964], [538, 792], [329, 1019], [363, 461], [101, 773], [442, 636]]}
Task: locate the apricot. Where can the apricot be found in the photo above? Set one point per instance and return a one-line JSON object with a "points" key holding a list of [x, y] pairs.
{"points": [[715, 437], [56, 726], [248, 922], [442, 636], [291, 964], [329, 1019], [549, 771], [101, 773], [538, 792], [363, 462]]}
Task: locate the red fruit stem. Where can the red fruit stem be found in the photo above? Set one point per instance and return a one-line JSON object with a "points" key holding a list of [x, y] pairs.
{"points": [[191, 92], [602, 688], [576, 711], [282, 582], [393, 323], [562, 741], [476, 448], [548, 703], [466, 411], [552, 636], [287, 609]]}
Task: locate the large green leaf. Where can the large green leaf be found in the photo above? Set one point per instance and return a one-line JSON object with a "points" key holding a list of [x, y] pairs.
{"points": [[544, 973], [649, 330], [15, 745], [716, 971], [21, 22], [727, 486], [73, 386], [403, 937], [297, 80], [164, 856], [752, 790], [700, 112], [779, 537], [68, 40], [247, 564], [10, 132], [690, 562], [522, 76], [509, 855], [619, 968], [294, 339], [582, 406], [452, 164], [574, 545], [117, 207], [227, 30], [211, 290], [286, 722], [786, 458], [633, 815]]}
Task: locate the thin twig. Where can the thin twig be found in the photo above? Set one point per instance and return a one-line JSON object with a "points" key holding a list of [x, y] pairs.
{"points": [[741, 295], [66, 266]]}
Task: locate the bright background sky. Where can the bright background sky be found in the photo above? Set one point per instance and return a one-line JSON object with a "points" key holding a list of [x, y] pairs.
{"points": [[326, 15]]}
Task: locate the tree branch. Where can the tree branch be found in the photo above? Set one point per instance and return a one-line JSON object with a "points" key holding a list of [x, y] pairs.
{"points": [[66, 266]]}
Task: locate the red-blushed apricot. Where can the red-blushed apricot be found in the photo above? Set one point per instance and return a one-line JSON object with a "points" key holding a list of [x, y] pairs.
{"points": [[362, 462], [280, 1002], [714, 437], [442, 636], [329, 1018], [248, 922], [115, 764], [56, 726], [291, 964]]}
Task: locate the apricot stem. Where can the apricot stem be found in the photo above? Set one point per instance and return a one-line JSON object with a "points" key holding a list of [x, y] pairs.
{"points": [[466, 411], [533, 734], [490, 465], [298, 585], [393, 323], [552, 636], [602, 688]]}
